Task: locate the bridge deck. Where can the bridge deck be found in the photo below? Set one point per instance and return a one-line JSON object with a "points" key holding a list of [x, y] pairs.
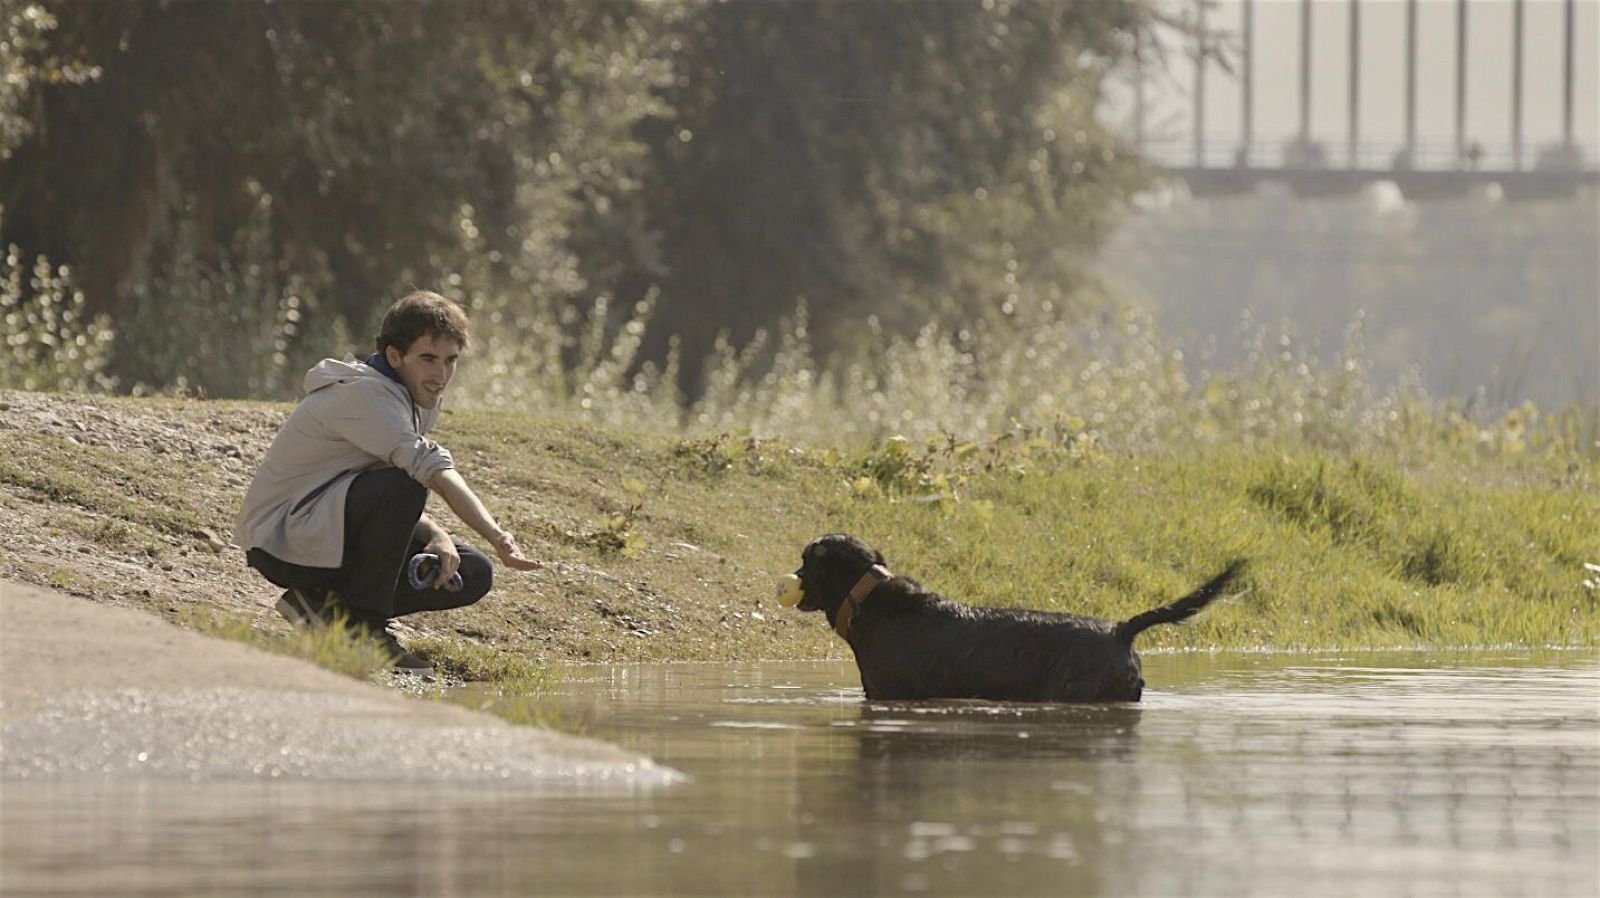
{"points": [[1518, 185]]}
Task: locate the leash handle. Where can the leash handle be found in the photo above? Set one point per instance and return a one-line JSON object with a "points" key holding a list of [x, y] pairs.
{"points": [[420, 572]]}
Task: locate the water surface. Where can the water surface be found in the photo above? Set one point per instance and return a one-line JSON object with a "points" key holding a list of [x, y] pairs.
{"points": [[1238, 775]]}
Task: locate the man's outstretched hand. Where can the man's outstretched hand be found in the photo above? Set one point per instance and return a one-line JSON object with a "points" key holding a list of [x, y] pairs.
{"points": [[511, 555]]}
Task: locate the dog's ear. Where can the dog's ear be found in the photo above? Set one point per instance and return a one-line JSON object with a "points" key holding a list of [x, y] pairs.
{"points": [[877, 558]]}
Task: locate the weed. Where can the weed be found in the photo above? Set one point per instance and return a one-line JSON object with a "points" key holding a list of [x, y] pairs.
{"points": [[617, 533], [718, 454], [112, 533], [940, 471], [895, 468], [338, 648], [475, 662]]}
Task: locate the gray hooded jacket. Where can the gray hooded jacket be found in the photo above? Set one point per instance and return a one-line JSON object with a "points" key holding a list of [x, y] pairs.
{"points": [[354, 418]]}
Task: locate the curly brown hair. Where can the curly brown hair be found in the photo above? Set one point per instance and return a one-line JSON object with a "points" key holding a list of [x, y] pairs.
{"points": [[422, 312]]}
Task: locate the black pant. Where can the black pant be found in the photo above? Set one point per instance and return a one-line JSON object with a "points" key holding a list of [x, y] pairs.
{"points": [[380, 514]]}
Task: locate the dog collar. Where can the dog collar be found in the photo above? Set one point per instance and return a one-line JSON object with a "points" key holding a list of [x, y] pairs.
{"points": [[858, 594]]}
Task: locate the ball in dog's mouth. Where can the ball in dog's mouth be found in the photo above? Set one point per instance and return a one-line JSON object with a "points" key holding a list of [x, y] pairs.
{"points": [[789, 591]]}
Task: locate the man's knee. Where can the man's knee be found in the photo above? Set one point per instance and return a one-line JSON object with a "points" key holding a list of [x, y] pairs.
{"points": [[404, 487], [415, 497], [477, 574], [389, 486]]}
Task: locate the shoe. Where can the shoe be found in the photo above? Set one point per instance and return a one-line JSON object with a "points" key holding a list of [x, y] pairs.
{"points": [[307, 608], [404, 662]]}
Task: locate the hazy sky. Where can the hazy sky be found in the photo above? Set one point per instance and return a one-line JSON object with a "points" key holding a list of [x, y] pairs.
{"points": [[1382, 76]]}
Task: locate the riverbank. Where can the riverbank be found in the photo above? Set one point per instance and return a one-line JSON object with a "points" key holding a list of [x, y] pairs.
{"points": [[662, 548]]}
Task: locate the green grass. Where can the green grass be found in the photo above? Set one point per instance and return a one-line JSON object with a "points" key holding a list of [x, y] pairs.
{"points": [[660, 548], [522, 702], [336, 648], [519, 686], [161, 495], [1351, 552], [467, 660]]}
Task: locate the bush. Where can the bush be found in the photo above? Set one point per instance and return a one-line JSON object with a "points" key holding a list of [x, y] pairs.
{"points": [[51, 342]]}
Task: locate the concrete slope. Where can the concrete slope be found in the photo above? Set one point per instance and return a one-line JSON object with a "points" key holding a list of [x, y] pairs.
{"points": [[93, 689]]}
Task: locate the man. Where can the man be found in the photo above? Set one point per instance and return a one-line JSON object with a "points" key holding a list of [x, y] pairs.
{"points": [[335, 512]]}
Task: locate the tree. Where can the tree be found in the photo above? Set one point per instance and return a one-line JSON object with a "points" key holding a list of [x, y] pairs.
{"points": [[913, 161], [279, 167], [379, 145]]}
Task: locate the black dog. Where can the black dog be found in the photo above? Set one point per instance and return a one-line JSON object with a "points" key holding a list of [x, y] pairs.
{"points": [[911, 643]]}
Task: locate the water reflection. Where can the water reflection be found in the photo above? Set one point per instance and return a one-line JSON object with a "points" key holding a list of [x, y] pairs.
{"points": [[960, 733], [1253, 775], [969, 798]]}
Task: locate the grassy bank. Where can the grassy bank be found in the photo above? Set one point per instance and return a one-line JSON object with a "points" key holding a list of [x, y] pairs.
{"points": [[665, 548]]}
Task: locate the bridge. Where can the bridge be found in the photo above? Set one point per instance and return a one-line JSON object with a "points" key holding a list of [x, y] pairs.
{"points": [[1421, 168]]}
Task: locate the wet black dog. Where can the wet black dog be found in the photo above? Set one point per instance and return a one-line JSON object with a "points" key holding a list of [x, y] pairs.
{"points": [[911, 643]]}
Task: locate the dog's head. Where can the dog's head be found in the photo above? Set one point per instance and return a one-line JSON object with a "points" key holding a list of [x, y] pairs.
{"points": [[830, 566]]}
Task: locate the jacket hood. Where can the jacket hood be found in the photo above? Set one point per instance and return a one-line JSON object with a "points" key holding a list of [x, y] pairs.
{"points": [[328, 372]]}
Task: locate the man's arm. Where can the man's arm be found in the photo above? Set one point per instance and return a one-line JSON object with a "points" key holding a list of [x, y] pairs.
{"points": [[429, 531], [449, 484]]}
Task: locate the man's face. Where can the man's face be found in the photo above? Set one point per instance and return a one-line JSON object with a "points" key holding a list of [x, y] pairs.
{"points": [[426, 367]]}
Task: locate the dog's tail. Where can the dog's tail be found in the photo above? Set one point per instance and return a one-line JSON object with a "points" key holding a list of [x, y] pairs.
{"points": [[1178, 611]]}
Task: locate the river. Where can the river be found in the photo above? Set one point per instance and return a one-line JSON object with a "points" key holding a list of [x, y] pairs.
{"points": [[1240, 774]]}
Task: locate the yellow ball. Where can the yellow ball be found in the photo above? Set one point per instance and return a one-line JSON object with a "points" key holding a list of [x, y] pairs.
{"points": [[789, 591]]}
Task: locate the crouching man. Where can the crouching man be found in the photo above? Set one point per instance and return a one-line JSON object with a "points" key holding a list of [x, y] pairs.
{"points": [[335, 513]]}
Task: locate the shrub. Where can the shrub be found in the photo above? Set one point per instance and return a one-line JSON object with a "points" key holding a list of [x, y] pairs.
{"points": [[51, 341]]}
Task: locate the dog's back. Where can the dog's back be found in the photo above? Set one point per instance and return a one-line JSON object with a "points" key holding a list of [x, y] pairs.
{"points": [[912, 644]]}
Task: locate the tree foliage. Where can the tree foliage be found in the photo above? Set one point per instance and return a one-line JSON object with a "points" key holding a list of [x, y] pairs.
{"points": [[26, 61], [915, 161], [902, 162]]}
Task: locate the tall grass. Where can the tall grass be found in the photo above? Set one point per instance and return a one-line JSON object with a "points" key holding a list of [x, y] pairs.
{"points": [[1115, 381], [338, 648], [236, 327], [515, 688]]}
